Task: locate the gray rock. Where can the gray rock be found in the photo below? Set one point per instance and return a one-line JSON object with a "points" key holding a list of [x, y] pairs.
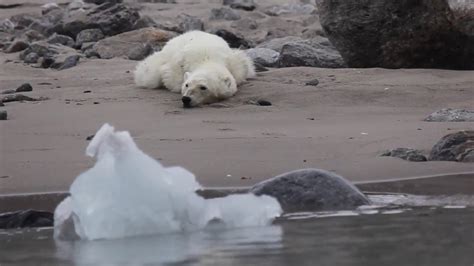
{"points": [[32, 36], [234, 40], [89, 35], [3, 115], [140, 52], [224, 13], [313, 82], [46, 8], [6, 25], [263, 56], [247, 5], [188, 23], [457, 146], [61, 39], [16, 46], [17, 98], [68, 62], [245, 24], [312, 190], [315, 53], [121, 45], [406, 154], [397, 34], [451, 115], [50, 54], [277, 43], [40, 48], [8, 91], [24, 87], [91, 53], [100, 2], [144, 22], [294, 8], [31, 58]]}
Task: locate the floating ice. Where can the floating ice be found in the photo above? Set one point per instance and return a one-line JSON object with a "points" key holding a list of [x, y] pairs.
{"points": [[128, 193]]}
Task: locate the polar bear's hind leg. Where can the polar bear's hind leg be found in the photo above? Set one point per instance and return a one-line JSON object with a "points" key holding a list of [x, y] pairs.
{"points": [[148, 72]]}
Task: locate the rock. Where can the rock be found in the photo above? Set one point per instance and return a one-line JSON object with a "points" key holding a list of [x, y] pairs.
{"points": [[16, 46], [314, 53], [457, 146], [313, 82], [100, 2], [264, 103], [22, 21], [277, 43], [91, 53], [144, 22], [263, 56], [406, 154], [122, 44], [294, 8], [397, 34], [260, 68], [312, 190], [50, 55], [247, 5], [40, 48], [86, 46], [8, 91], [3, 115], [32, 36], [110, 18], [17, 98], [26, 218], [451, 115], [46, 62], [224, 13], [31, 58], [244, 24], [233, 39], [69, 62], [24, 87], [46, 8], [89, 35], [61, 39], [188, 23], [6, 25], [140, 52]]}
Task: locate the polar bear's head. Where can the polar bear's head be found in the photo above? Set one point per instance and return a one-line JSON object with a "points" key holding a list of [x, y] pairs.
{"points": [[206, 86]]}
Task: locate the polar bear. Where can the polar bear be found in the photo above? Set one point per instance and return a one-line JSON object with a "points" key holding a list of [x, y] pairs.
{"points": [[200, 65]]}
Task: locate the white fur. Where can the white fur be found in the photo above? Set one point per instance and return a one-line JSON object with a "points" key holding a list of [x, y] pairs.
{"points": [[193, 61]]}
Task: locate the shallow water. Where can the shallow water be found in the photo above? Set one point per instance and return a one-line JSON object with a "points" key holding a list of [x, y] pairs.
{"points": [[397, 230]]}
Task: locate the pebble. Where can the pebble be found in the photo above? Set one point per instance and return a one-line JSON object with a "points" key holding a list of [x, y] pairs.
{"points": [[264, 103], [24, 87], [3, 115]]}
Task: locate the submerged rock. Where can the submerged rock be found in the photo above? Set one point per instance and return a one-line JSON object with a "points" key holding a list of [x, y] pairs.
{"points": [[312, 190], [397, 34], [457, 146], [26, 218], [451, 115], [406, 154]]}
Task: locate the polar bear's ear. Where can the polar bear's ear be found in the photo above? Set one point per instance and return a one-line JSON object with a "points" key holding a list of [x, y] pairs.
{"points": [[228, 82], [186, 75]]}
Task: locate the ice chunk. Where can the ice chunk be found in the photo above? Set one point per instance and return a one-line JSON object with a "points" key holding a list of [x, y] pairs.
{"points": [[128, 193]]}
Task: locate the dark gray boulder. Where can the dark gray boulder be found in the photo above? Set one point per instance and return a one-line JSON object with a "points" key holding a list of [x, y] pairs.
{"points": [[451, 115], [396, 34], [312, 190], [457, 146], [406, 154]]}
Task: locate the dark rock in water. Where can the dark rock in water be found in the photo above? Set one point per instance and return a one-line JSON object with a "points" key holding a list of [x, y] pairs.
{"points": [[3, 114], [89, 35], [121, 45], [312, 190], [16, 46], [397, 34], [69, 62], [26, 218], [188, 23], [264, 103], [406, 154], [224, 13], [313, 82], [233, 39], [295, 8], [457, 146], [263, 56], [18, 98], [451, 115], [24, 87], [247, 5], [61, 39], [140, 52]]}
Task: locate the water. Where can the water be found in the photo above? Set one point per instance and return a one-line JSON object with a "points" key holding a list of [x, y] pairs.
{"points": [[403, 230]]}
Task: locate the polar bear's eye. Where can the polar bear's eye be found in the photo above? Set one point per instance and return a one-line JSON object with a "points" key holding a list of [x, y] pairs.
{"points": [[203, 88]]}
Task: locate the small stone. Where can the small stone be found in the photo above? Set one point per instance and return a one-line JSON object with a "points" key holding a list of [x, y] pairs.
{"points": [[313, 82], [24, 87], [31, 58], [89, 35], [46, 8], [87, 91], [406, 154], [96, 102], [46, 62], [264, 103], [61, 39], [70, 61], [224, 13], [3, 115], [16, 46]]}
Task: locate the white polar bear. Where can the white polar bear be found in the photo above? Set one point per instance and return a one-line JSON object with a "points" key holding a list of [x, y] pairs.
{"points": [[200, 65]]}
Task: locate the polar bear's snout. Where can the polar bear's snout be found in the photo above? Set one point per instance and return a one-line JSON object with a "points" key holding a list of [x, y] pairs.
{"points": [[186, 101]]}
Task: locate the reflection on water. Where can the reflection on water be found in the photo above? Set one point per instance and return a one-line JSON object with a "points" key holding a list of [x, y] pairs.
{"points": [[403, 235]]}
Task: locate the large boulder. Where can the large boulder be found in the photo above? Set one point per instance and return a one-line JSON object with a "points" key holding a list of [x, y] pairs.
{"points": [[312, 190], [125, 44], [457, 146], [396, 34]]}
